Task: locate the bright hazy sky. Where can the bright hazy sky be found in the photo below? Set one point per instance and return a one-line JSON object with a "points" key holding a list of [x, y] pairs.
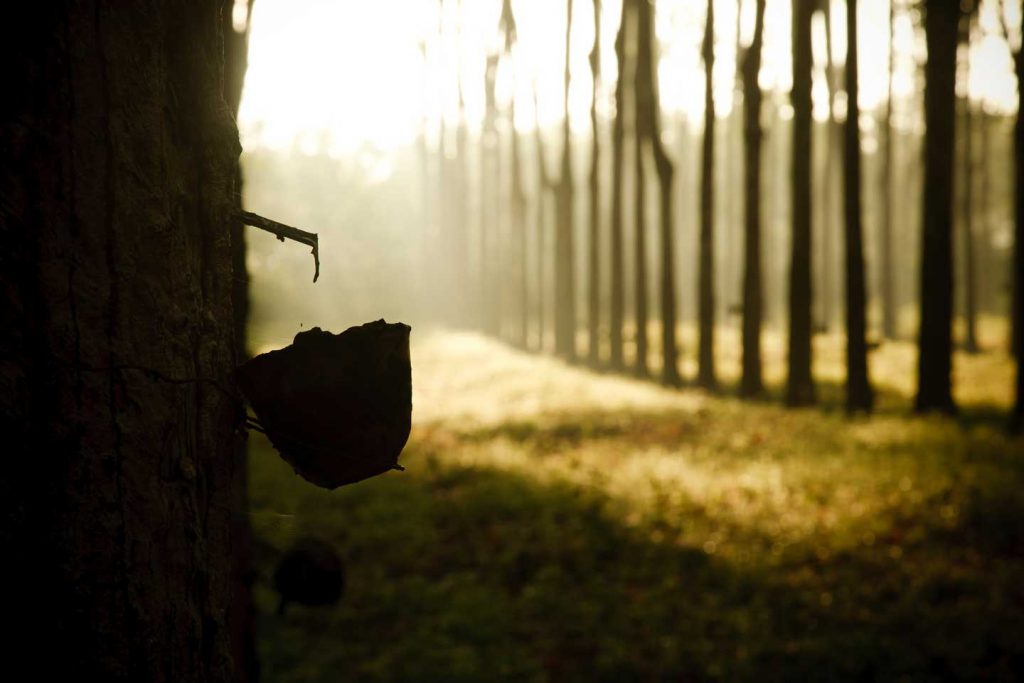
{"points": [[356, 72]]}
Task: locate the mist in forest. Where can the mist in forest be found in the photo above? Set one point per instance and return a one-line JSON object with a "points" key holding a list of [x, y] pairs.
{"points": [[406, 172]]}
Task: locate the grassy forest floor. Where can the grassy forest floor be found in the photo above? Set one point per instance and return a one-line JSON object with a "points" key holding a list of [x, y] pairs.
{"points": [[557, 524]]}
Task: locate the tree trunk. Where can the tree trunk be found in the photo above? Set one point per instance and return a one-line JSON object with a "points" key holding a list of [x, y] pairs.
{"points": [[516, 191], [934, 390], [967, 221], [118, 340], [1017, 418], [242, 614], [751, 383], [858, 387], [828, 297], [544, 185], [640, 225], [489, 232], [888, 294], [649, 131], [706, 344], [565, 276], [800, 387], [618, 296], [594, 269]]}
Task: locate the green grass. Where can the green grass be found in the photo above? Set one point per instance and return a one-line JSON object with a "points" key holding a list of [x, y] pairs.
{"points": [[559, 525]]}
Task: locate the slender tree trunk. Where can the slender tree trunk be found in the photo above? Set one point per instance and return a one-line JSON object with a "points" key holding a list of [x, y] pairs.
{"points": [[934, 390], [640, 225], [594, 290], [489, 229], [544, 186], [639, 210], [858, 387], [519, 230], [800, 387], [751, 384], [888, 295], [117, 187], [618, 297], [967, 220], [565, 276], [1017, 418], [242, 615], [507, 25], [828, 297], [649, 132], [706, 344]]}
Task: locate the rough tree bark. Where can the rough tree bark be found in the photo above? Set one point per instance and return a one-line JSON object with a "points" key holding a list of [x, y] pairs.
{"points": [[800, 386], [117, 338], [565, 271], [934, 390], [858, 387], [618, 296], [706, 343], [594, 261], [751, 383], [648, 108]]}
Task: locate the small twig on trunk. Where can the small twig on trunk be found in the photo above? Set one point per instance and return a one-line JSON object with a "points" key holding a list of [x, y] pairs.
{"points": [[282, 231]]}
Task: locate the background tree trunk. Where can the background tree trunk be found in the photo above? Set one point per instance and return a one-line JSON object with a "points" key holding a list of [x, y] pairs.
{"points": [[117, 339], [648, 112], [934, 391], [800, 387], [565, 276], [751, 383], [618, 296], [1017, 420], [706, 344], [886, 237], [858, 387], [594, 262]]}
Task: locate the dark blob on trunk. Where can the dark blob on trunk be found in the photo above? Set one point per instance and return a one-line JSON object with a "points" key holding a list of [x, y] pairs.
{"points": [[338, 407]]}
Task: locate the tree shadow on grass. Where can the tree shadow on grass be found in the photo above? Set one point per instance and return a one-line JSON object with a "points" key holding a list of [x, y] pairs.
{"points": [[474, 573]]}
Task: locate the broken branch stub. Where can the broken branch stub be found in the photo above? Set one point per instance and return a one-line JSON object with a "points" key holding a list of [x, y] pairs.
{"points": [[337, 407], [281, 231]]}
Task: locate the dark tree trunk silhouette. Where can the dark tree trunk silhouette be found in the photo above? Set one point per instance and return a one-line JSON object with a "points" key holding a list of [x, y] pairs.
{"points": [[649, 132], [800, 386], [706, 343], [1017, 419], [751, 383], [594, 261], [242, 615], [117, 337], [618, 296], [858, 388], [565, 276], [640, 238], [888, 295], [934, 391]]}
